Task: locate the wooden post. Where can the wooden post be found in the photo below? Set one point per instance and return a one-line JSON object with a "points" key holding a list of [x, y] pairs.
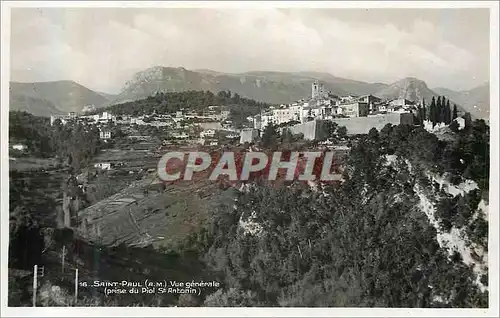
{"points": [[35, 284], [76, 285], [63, 257]]}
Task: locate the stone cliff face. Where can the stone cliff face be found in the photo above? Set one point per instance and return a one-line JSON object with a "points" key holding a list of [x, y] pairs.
{"points": [[163, 79], [415, 90], [409, 88]]}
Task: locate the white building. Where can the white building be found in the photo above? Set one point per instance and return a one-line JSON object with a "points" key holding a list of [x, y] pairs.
{"points": [[285, 115], [382, 107], [181, 135], [232, 136], [19, 147], [64, 118], [319, 109], [105, 117], [105, 134], [103, 165], [401, 102], [248, 135], [347, 99], [61, 118], [137, 121], [278, 116], [207, 133], [356, 109], [316, 112]]}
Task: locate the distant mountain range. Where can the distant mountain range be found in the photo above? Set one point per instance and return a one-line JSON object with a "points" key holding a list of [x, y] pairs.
{"points": [[273, 87], [476, 100], [52, 98]]}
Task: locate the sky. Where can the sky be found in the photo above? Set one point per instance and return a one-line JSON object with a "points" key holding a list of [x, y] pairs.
{"points": [[101, 48]]}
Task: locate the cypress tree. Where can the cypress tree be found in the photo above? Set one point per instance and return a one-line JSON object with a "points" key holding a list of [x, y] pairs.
{"points": [[448, 112], [455, 112], [443, 109], [432, 112], [424, 111], [468, 121], [438, 110]]}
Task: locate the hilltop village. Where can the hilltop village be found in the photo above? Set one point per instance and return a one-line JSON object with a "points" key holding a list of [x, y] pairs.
{"points": [[187, 126], [327, 106]]}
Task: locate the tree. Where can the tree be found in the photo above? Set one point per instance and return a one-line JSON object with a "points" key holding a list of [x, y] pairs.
{"points": [[454, 126], [468, 121], [442, 114], [329, 128], [342, 132], [455, 112], [424, 111], [420, 114], [236, 98], [432, 112], [287, 136], [439, 109], [386, 132], [448, 112], [373, 134], [270, 136]]}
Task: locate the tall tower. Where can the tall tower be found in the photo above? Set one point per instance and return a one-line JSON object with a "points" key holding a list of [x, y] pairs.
{"points": [[314, 90]]}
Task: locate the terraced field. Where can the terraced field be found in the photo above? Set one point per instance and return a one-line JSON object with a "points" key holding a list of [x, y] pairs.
{"points": [[145, 211], [141, 215]]}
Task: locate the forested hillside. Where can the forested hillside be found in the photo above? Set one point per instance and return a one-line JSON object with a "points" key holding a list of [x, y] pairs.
{"points": [[165, 103], [377, 240]]}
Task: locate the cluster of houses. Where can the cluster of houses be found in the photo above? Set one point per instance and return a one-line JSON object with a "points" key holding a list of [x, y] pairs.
{"points": [[326, 106], [205, 126], [101, 120], [180, 124]]}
